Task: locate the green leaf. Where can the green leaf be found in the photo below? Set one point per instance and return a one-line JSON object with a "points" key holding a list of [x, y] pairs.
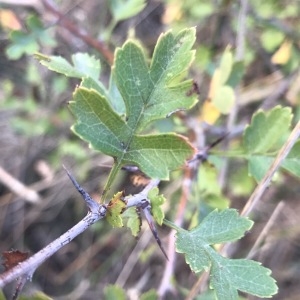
{"points": [[258, 165], [224, 99], [207, 179], [225, 66], [149, 295], [149, 94], [117, 104], [266, 129], [114, 210], [114, 292], [230, 275], [28, 42], [236, 75], [156, 202], [83, 66], [227, 275], [124, 9], [21, 44], [224, 226], [292, 161], [98, 124], [132, 220]]}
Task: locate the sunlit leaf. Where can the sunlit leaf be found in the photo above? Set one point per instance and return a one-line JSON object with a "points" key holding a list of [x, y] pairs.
{"points": [[283, 54]]}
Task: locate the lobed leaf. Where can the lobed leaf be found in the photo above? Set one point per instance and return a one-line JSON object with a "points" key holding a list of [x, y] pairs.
{"points": [[83, 66], [219, 227], [248, 276], [227, 275], [132, 220], [111, 120], [157, 201], [114, 209], [151, 94], [266, 129]]}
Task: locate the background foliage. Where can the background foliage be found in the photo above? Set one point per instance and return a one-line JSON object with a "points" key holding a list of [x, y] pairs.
{"points": [[260, 70]]}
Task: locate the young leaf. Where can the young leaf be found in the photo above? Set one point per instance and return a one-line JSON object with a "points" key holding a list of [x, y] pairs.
{"points": [[114, 209], [156, 202], [149, 94], [132, 220], [228, 275]]}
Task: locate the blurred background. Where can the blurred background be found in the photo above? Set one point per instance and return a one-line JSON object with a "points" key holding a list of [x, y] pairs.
{"points": [[39, 203]]}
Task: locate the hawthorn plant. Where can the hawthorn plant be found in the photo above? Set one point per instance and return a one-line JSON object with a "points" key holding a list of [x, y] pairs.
{"points": [[116, 120]]}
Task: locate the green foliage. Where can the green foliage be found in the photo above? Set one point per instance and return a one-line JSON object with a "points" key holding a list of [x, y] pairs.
{"points": [[150, 295], [114, 210], [125, 9], [148, 94], [263, 138], [114, 292], [28, 43], [208, 188], [156, 202], [132, 220], [227, 275], [222, 95]]}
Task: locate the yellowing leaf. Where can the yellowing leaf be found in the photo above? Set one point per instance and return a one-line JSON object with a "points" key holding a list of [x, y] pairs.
{"points": [[224, 99], [226, 65], [114, 209], [221, 95], [209, 113], [214, 84], [283, 54], [172, 13], [9, 20]]}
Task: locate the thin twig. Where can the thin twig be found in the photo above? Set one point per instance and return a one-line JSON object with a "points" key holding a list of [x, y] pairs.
{"points": [[28, 267], [265, 231], [96, 44], [133, 258], [18, 187]]}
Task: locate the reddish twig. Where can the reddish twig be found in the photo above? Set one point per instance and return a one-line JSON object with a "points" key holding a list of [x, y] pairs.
{"points": [[98, 45]]}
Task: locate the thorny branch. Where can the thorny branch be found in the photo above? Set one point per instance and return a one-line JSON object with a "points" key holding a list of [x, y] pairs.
{"points": [[96, 212]]}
